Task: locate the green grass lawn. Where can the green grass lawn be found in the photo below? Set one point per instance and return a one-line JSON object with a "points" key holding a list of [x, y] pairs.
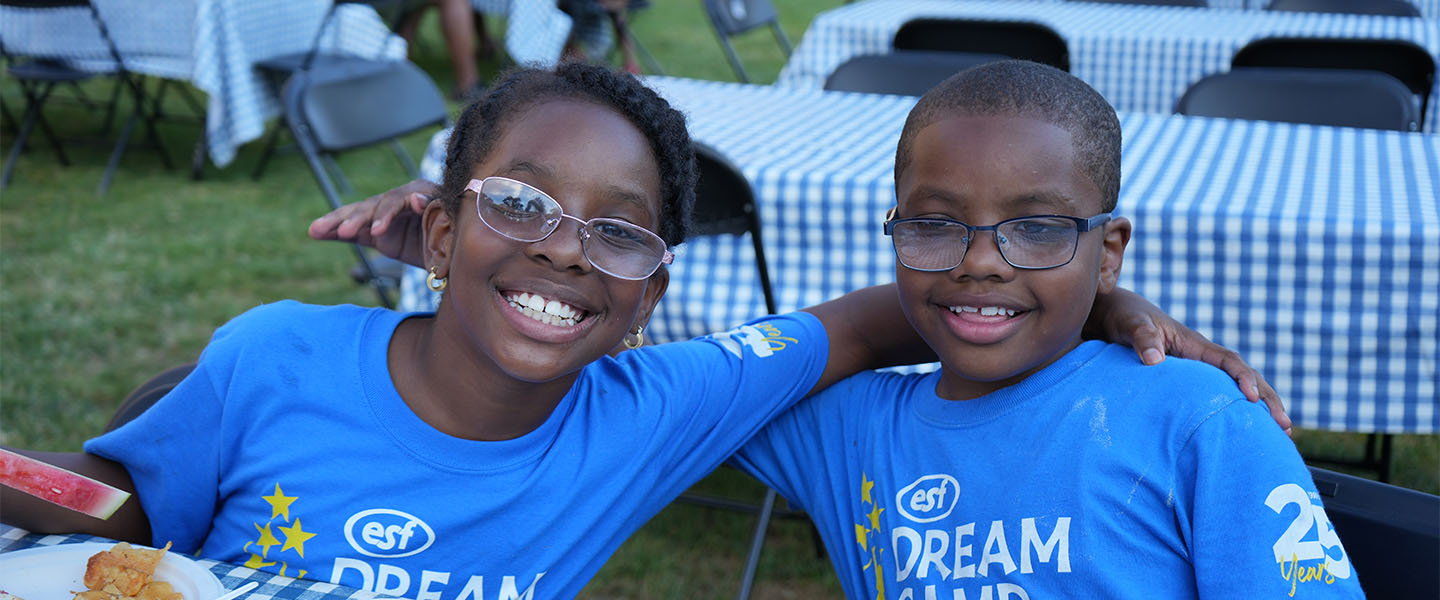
{"points": [[97, 294]]}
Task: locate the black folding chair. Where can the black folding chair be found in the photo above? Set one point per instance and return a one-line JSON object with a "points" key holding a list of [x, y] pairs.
{"points": [[1402, 59], [1391, 534], [730, 18], [39, 76], [1395, 8], [278, 69], [333, 108], [1015, 39], [1345, 98], [903, 72]]}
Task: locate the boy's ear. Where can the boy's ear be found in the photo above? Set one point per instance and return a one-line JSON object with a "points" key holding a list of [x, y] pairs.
{"points": [[1117, 236], [440, 230]]}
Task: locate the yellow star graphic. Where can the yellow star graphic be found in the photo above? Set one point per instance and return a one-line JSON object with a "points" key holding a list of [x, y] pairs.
{"points": [[295, 538], [865, 486], [280, 503], [874, 518], [879, 581], [861, 537], [266, 540], [255, 562]]}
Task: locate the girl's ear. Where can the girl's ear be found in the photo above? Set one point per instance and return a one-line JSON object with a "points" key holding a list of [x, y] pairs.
{"points": [[654, 289], [1117, 236], [440, 231]]}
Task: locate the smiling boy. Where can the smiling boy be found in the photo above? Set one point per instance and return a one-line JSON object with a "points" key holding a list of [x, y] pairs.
{"points": [[1034, 464]]}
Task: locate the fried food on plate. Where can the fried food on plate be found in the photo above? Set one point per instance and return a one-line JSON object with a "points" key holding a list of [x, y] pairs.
{"points": [[123, 573]]}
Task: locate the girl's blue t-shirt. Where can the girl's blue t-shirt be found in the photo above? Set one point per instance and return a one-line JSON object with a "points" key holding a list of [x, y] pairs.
{"points": [[289, 450]]}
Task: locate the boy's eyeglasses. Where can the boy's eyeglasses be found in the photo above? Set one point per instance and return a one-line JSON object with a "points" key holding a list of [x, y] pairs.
{"points": [[521, 212], [1038, 242]]}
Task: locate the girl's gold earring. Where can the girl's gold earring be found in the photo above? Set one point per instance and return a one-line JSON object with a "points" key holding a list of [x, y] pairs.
{"points": [[435, 282], [638, 336]]}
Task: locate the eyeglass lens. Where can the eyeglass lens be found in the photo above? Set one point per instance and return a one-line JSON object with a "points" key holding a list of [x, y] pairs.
{"points": [[523, 213], [1027, 243]]}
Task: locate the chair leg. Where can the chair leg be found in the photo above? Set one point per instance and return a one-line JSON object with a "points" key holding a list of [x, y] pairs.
{"points": [[734, 60], [271, 143], [757, 543], [42, 94], [120, 145], [35, 98], [406, 161]]}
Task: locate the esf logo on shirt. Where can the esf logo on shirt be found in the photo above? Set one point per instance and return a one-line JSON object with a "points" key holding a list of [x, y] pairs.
{"points": [[929, 498], [388, 533]]}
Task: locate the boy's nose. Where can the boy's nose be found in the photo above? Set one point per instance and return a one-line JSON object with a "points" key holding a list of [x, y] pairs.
{"points": [[982, 258]]}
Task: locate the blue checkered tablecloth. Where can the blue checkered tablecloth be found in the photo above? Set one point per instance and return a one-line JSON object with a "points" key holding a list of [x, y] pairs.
{"points": [[1313, 251], [1141, 58], [272, 586], [215, 44], [1428, 8]]}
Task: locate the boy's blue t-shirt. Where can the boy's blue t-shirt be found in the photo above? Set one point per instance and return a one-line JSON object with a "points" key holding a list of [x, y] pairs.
{"points": [[1096, 477], [289, 450]]}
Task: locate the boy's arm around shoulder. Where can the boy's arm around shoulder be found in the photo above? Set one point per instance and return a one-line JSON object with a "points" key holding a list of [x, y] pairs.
{"points": [[22, 510]]}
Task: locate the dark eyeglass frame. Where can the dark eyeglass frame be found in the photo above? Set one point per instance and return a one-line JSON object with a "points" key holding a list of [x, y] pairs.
{"points": [[584, 227], [1082, 225]]}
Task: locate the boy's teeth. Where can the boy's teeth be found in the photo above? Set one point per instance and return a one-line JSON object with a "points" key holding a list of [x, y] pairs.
{"points": [[551, 312], [985, 311]]}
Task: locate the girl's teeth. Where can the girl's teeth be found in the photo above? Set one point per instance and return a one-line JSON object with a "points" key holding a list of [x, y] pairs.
{"points": [[552, 312]]}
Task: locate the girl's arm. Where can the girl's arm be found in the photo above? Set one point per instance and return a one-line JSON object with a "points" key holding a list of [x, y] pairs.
{"points": [[36, 515]]}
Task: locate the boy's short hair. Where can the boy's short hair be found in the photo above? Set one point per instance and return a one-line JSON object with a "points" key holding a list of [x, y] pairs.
{"points": [[1024, 88], [484, 121]]}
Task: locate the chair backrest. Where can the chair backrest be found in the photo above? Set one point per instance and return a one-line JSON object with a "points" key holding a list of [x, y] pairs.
{"points": [[1016, 39], [1391, 534], [1199, 3], [730, 18], [734, 17], [1346, 98], [725, 204], [357, 104], [904, 72], [1395, 8], [111, 51], [1402, 59]]}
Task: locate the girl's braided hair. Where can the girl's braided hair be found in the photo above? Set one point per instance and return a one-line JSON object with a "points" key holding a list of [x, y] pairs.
{"points": [[484, 122]]}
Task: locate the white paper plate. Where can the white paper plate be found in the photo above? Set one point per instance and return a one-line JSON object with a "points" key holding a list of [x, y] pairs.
{"points": [[57, 572]]}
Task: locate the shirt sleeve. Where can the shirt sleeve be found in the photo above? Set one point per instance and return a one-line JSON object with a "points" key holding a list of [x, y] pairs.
{"points": [[724, 387], [1253, 521], [796, 452], [174, 451]]}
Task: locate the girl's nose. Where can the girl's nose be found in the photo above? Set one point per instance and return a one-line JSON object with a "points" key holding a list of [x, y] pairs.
{"points": [[564, 247]]}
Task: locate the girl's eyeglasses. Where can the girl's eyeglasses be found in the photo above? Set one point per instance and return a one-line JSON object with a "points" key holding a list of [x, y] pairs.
{"points": [[1038, 242], [521, 212]]}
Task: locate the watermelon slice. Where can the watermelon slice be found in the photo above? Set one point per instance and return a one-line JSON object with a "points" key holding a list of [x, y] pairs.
{"points": [[68, 489]]}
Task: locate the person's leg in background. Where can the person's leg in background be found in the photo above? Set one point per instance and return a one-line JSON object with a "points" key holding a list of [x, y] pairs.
{"points": [[461, 26], [460, 23], [618, 10]]}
